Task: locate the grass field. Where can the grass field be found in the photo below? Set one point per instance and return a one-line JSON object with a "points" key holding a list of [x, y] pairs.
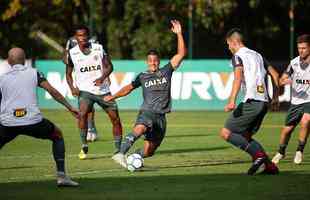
{"points": [[192, 163]]}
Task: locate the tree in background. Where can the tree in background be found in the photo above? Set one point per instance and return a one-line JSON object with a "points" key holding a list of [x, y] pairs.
{"points": [[128, 28]]}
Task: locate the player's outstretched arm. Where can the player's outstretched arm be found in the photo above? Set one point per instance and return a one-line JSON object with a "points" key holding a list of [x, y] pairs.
{"points": [[107, 70], [59, 97], [122, 92], [177, 58], [285, 79], [235, 89]]}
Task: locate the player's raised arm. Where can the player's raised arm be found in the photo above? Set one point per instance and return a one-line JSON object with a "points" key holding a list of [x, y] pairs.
{"points": [[177, 58]]}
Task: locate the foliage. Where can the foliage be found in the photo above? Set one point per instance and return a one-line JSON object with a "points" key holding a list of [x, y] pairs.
{"points": [[128, 28]]}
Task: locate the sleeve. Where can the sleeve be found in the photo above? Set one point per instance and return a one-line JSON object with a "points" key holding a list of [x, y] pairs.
{"points": [[266, 63], [40, 77], [136, 82], [236, 61], [68, 45], [167, 69], [289, 70], [70, 62]]}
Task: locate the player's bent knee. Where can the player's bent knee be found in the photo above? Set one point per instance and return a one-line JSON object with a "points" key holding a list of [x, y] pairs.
{"points": [[224, 133], [57, 134]]}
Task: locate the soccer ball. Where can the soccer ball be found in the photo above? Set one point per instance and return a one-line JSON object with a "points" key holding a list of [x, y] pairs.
{"points": [[134, 162]]}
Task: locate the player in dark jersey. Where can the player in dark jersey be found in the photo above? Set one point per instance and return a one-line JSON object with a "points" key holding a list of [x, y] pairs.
{"points": [[156, 87], [92, 131]]}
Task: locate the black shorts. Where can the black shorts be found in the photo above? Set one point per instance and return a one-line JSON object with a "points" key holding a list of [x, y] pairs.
{"points": [[155, 123], [247, 117], [42, 130], [295, 113], [90, 99]]}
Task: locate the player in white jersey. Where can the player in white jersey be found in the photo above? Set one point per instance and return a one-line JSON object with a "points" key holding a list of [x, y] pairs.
{"points": [[20, 114], [92, 131], [298, 75], [250, 72], [92, 68], [4, 67]]}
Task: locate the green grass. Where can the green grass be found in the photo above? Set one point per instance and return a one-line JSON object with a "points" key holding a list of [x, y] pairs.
{"points": [[192, 163]]}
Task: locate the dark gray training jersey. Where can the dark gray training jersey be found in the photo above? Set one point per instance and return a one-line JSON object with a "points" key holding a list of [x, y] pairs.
{"points": [[156, 87]]}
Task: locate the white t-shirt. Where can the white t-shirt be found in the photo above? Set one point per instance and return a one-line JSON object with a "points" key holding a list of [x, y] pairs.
{"points": [[4, 67], [300, 74], [18, 88], [254, 74], [88, 68]]}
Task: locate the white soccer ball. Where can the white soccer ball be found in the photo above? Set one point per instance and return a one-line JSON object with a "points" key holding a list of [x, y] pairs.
{"points": [[134, 162]]}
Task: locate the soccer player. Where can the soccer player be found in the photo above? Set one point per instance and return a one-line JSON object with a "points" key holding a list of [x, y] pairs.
{"points": [[20, 114], [92, 68], [156, 86], [298, 76], [250, 73], [4, 67], [92, 131]]}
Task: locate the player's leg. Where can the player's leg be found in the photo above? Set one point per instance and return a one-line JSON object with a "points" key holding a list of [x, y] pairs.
{"points": [[303, 136], [111, 109], [6, 135], [85, 106], [285, 136], [243, 120], [127, 143], [154, 137], [92, 130], [47, 130], [117, 129], [293, 117]]}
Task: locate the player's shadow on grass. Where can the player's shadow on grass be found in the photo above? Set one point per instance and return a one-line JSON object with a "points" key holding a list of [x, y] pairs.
{"points": [[288, 185], [188, 135], [16, 167], [190, 150]]}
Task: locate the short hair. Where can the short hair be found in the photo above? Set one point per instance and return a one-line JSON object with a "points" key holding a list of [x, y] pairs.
{"points": [[81, 27], [305, 38], [235, 32], [153, 52]]}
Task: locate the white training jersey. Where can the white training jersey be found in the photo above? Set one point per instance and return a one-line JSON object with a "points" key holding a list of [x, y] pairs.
{"points": [[254, 74], [299, 73], [19, 105], [4, 67], [88, 68]]}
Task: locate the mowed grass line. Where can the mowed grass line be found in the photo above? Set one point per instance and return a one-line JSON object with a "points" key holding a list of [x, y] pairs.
{"points": [[192, 163]]}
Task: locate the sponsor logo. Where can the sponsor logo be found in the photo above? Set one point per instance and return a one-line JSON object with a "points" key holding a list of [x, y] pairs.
{"points": [[90, 68], [20, 112], [303, 81], [155, 82]]}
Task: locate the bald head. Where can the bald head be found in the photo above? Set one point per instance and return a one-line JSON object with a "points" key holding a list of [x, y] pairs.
{"points": [[16, 56]]}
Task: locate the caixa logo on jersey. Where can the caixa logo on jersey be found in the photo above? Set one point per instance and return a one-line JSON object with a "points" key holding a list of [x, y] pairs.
{"points": [[90, 68]]}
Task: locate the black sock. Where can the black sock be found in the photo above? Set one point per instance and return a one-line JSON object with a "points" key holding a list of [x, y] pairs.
{"points": [[59, 154], [282, 148], [118, 142], [301, 145], [128, 142]]}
